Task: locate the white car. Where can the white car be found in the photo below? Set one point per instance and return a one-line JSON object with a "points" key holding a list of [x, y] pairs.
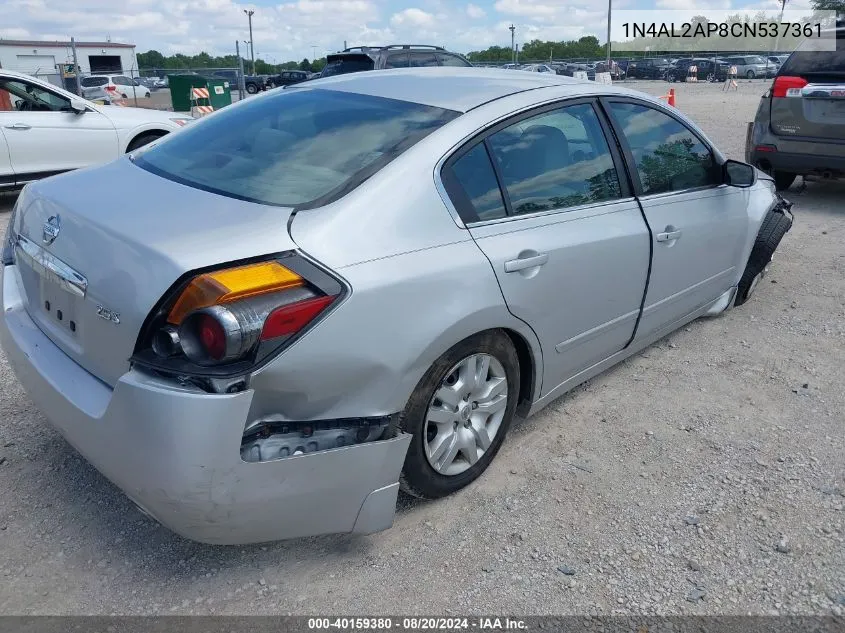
{"points": [[113, 86], [539, 68], [45, 130]]}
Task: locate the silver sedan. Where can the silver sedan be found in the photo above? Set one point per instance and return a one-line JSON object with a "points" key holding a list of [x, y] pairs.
{"points": [[329, 292]]}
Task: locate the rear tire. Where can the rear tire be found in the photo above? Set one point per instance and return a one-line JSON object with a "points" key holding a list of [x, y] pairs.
{"points": [[783, 179], [750, 74], [251, 89], [771, 233], [143, 139], [419, 477]]}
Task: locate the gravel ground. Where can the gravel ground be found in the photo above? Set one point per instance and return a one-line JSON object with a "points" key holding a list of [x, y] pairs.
{"points": [[704, 475]]}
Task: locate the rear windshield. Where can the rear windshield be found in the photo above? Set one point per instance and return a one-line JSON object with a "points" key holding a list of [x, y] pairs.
{"points": [[89, 82], [347, 64], [300, 148], [807, 60]]}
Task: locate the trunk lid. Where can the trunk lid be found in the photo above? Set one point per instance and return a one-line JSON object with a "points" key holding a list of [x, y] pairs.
{"points": [[814, 104], [93, 267]]}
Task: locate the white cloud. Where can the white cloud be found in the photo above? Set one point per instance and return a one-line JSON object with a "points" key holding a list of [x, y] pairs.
{"points": [[475, 12], [413, 17], [693, 4]]}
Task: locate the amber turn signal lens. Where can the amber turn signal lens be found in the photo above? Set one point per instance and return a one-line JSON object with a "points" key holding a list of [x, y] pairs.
{"points": [[225, 286]]}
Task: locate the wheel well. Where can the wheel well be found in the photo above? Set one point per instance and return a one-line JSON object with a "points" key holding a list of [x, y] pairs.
{"points": [[153, 133], [527, 370]]}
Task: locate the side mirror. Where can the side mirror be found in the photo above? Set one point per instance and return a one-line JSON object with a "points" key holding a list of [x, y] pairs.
{"points": [[737, 174], [78, 106]]}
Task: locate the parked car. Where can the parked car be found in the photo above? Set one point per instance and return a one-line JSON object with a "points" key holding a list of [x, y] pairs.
{"points": [[647, 68], [45, 130], [572, 68], [750, 66], [252, 83], [799, 128], [363, 58], [706, 70], [614, 69], [291, 350], [287, 77], [538, 68], [113, 86]]}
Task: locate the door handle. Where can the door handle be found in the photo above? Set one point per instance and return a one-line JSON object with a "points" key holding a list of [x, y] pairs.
{"points": [[669, 236], [522, 263], [18, 126]]}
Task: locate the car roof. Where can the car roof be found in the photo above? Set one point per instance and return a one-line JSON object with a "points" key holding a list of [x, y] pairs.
{"points": [[452, 88]]}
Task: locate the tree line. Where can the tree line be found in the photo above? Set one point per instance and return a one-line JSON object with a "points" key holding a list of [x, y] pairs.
{"points": [[153, 59]]}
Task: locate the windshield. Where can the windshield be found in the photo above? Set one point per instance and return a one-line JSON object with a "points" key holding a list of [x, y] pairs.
{"points": [[299, 148], [347, 64]]}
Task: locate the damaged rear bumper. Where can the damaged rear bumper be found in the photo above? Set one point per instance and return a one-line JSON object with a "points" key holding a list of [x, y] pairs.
{"points": [[175, 451]]}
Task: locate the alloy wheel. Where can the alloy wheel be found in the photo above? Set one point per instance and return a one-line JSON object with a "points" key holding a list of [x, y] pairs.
{"points": [[465, 414]]}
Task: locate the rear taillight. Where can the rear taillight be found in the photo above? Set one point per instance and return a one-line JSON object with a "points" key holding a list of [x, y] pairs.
{"points": [[228, 321], [786, 86], [110, 88]]}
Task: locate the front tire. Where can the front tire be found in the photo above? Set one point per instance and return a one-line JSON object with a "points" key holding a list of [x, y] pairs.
{"points": [[251, 89], [459, 415], [750, 74], [771, 233]]}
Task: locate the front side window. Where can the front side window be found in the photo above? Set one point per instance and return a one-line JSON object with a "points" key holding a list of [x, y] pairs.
{"points": [[298, 148], [555, 160], [668, 156], [27, 97]]}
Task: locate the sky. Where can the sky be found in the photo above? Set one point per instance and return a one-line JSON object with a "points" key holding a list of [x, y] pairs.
{"points": [[294, 29]]}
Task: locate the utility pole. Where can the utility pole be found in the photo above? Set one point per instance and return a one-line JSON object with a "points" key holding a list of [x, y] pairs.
{"points": [[249, 14], [512, 29], [76, 68], [609, 3], [240, 70]]}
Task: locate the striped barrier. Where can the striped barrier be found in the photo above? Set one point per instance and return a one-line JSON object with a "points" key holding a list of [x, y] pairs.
{"points": [[201, 109]]}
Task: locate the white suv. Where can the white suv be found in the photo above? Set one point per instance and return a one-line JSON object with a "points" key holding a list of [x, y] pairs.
{"points": [[113, 86]]}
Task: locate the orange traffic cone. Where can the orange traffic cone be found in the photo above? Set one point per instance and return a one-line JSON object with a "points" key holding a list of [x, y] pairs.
{"points": [[672, 97]]}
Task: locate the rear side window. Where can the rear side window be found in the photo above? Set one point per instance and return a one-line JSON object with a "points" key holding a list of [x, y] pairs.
{"points": [[668, 156], [92, 82], [299, 148], [472, 185], [419, 60], [555, 160]]}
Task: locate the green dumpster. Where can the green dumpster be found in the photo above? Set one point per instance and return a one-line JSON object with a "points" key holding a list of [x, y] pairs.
{"points": [[180, 90], [219, 93]]}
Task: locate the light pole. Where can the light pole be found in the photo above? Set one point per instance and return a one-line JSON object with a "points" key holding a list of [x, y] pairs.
{"points": [[249, 14], [512, 29], [249, 44], [609, 2]]}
